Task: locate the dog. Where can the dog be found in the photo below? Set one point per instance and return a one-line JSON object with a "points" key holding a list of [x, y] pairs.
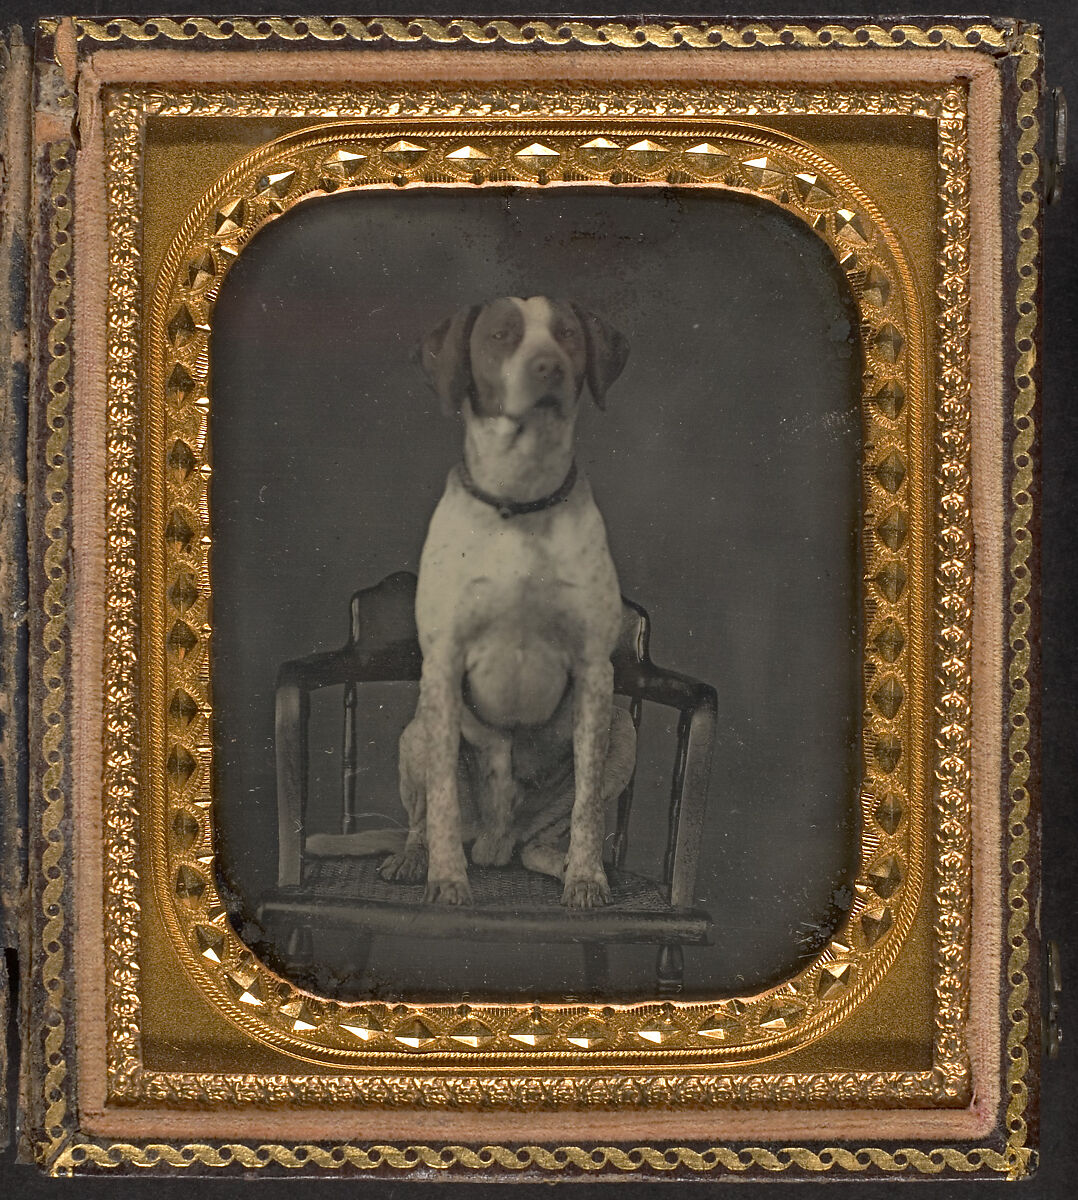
{"points": [[517, 743]]}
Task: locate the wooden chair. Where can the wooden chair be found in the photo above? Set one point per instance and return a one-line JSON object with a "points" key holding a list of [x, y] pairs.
{"points": [[511, 904]]}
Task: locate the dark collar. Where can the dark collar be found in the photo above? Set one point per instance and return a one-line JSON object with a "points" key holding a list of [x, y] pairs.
{"points": [[517, 508]]}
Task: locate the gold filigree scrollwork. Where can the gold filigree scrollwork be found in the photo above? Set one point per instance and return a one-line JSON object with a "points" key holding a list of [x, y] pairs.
{"points": [[589, 1160], [547, 101], [665, 35], [122, 741]]}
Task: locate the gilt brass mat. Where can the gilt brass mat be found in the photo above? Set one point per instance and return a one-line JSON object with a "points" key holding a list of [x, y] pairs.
{"points": [[680, 151]]}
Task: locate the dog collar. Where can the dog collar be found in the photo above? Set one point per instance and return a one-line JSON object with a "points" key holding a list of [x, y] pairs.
{"points": [[518, 508]]}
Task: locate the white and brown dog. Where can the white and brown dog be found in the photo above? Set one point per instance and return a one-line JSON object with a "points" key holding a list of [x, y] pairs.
{"points": [[516, 742]]}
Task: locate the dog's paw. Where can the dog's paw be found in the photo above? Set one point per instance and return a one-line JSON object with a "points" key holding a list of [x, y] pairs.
{"points": [[410, 866], [492, 850], [586, 891], [447, 891]]}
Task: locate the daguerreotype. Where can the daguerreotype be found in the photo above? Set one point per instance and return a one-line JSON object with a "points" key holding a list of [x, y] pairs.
{"points": [[515, 691]]}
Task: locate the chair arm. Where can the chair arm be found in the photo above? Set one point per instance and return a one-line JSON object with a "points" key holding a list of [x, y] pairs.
{"points": [[397, 662], [646, 681]]}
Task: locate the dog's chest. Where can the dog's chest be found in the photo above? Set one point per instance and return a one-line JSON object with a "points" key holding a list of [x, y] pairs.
{"points": [[538, 582], [548, 573]]}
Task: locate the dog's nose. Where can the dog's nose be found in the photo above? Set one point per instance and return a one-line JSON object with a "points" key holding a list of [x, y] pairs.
{"points": [[546, 368]]}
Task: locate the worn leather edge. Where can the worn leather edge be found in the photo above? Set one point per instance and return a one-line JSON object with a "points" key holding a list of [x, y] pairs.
{"points": [[14, 206]]}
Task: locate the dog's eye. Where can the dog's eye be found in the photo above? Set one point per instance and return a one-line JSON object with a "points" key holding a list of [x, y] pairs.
{"points": [[565, 333], [498, 335]]}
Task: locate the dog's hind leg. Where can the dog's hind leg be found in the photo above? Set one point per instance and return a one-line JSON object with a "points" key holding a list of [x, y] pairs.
{"points": [[495, 791], [546, 858]]}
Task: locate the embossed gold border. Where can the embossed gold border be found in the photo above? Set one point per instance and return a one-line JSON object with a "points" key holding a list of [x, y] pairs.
{"points": [[725, 156], [66, 1150]]}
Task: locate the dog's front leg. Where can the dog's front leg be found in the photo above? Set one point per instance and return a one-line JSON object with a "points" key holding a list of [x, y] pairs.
{"points": [[593, 697], [440, 704], [409, 865]]}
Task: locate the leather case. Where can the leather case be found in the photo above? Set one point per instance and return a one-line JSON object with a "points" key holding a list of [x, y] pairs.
{"points": [[824, 236]]}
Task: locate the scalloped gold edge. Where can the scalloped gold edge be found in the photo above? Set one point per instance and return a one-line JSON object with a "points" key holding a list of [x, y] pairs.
{"points": [[1021, 1024]]}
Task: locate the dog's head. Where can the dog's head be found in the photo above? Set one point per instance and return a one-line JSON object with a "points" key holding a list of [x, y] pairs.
{"points": [[522, 358]]}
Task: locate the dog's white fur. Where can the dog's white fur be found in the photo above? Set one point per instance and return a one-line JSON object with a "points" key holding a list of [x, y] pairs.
{"points": [[517, 616]]}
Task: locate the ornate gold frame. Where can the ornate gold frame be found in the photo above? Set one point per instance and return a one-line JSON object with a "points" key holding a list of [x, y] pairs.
{"points": [[378, 153], [918, 523]]}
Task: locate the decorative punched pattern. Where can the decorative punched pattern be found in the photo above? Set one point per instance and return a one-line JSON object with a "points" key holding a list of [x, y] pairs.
{"points": [[954, 603], [123, 740], [54, 604]]}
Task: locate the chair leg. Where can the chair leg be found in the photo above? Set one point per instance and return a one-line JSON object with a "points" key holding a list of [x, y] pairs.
{"points": [[670, 970], [299, 949], [596, 967], [361, 952], [349, 985]]}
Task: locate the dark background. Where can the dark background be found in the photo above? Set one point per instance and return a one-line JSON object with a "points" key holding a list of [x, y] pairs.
{"points": [[727, 470], [1059, 510]]}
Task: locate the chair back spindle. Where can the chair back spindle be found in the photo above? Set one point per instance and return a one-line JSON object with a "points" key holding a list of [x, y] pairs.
{"points": [[348, 761]]}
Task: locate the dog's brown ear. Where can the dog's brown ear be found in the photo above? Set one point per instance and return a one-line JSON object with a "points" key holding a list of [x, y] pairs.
{"points": [[443, 355], [608, 351]]}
